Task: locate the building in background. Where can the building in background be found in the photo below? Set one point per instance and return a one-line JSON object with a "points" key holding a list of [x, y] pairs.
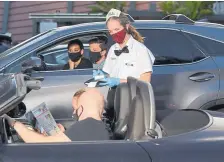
{"points": [[23, 19]]}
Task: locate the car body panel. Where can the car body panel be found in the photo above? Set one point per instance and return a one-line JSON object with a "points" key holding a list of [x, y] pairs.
{"points": [[204, 145], [109, 151], [219, 61], [174, 89]]}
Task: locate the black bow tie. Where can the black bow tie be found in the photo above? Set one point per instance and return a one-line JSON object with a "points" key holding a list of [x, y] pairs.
{"points": [[123, 50]]}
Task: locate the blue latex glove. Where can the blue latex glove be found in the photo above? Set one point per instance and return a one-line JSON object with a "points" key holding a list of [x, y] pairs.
{"points": [[111, 82], [98, 72]]}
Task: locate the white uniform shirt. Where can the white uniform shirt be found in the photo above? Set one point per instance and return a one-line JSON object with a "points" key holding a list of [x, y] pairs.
{"points": [[139, 60]]}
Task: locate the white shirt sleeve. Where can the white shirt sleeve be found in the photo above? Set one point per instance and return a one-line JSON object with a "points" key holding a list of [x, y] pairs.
{"points": [[107, 67], [145, 60]]}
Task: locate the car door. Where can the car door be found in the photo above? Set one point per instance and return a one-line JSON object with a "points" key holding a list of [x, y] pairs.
{"points": [[215, 49], [106, 151], [183, 77]]}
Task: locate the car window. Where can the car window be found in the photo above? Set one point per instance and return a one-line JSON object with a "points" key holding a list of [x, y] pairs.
{"points": [[170, 46], [59, 54], [16, 66], [209, 46]]}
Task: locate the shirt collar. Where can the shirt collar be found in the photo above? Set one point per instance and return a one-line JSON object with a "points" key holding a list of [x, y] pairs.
{"points": [[129, 43]]}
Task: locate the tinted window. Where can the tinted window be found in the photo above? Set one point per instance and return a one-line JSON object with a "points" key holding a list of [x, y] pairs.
{"points": [[209, 46], [60, 55], [170, 47]]}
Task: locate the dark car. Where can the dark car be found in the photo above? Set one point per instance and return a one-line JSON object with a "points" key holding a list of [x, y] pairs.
{"points": [[187, 73], [151, 135]]}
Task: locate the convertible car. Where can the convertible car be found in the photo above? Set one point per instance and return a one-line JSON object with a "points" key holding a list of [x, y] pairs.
{"points": [[145, 134]]}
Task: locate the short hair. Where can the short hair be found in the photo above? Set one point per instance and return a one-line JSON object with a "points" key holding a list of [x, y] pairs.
{"points": [[101, 40], [79, 92], [76, 41]]}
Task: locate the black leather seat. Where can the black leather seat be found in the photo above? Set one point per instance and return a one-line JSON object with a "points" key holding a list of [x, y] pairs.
{"points": [[135, 127], [121, 107], [132, 86], [124, 94], [141, 122]]}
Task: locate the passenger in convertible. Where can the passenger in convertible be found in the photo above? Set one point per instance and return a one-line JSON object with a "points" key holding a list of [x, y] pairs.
{"points": [[76, 58], [89, 127]]}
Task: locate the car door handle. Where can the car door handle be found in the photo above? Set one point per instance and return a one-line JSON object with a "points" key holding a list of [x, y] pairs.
{"points": [[201, 77]]}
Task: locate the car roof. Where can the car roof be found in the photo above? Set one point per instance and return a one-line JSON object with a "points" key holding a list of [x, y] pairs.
{"points": [[140, 24]]}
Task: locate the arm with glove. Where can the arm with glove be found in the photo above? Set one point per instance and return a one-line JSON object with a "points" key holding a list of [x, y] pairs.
{"points": [[107, 81]]}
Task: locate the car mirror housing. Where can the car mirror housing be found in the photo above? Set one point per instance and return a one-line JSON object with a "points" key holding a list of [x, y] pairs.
{"points": [[31, 64]]}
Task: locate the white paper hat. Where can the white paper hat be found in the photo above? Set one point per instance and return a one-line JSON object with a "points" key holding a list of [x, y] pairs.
{"points": [[113, 13]]}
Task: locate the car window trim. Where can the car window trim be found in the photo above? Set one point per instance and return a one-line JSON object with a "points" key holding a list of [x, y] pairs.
{"points": [[219, 41], [191, 63]]}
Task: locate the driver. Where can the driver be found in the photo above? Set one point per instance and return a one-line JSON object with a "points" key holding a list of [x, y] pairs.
{"points": [[89, 127]]}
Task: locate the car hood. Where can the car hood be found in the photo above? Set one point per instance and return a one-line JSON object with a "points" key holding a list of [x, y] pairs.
{"points": [[13, 89]]}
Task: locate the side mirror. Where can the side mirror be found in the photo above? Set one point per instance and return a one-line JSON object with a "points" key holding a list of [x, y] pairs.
{"points": [[33, 63]]}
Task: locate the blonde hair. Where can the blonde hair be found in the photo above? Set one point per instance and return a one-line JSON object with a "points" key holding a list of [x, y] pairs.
{"points": [[123, 19]]}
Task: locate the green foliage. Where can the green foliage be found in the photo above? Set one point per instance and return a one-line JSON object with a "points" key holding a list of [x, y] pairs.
{"points": [[192, 9], [168, 6], [105, 6]]}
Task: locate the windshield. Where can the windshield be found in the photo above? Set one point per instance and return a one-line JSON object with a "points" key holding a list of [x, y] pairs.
{"points": [[31, 40]]}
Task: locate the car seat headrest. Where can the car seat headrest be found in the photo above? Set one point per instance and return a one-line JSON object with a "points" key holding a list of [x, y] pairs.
{"points": [[122, 108]]}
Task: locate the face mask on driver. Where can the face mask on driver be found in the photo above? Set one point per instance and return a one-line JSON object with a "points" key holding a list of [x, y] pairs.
{"points": [[74, 56], [76, 116], [94, 56], [119, 36]]}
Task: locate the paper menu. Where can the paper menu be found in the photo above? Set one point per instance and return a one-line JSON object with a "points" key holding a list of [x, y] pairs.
{"points": [[92, 84]]}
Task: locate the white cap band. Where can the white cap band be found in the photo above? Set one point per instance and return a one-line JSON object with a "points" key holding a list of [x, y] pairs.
{"points": [[113, 13]]}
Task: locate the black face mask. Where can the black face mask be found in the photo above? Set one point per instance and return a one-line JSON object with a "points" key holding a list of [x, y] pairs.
{"points": [[74, 56], [94, 56], [76, 116]]}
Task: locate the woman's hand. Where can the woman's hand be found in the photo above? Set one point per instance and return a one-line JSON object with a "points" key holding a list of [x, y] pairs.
{"points": [[111, 82]]}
